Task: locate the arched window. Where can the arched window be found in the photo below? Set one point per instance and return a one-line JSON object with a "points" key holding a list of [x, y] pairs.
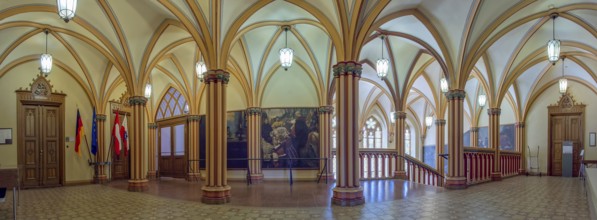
{"points": [[407, 145], [172, 104], [372, 137]]}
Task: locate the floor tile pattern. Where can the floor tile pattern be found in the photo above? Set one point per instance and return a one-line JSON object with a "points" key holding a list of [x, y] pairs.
{"points": [[513, 198]]}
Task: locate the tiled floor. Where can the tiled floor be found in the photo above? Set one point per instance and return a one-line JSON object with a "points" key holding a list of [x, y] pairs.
{"points": [[513, 198]]}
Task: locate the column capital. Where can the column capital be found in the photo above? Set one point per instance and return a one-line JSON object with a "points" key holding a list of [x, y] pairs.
{"points": [[193, 118], [253, 111], [440, 121], [100, 117], [347, 68], [400, 115], [152, 125], [474, 129], [326, 109], [519, 124], [456, 94], [217, 75], [137, 100], [494, 111]]}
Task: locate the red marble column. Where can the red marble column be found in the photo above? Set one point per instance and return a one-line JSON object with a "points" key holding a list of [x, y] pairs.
{"points": [[400, 172], [138, 181], [216, 189], [193, 174], [456, 178], [151, 151], [348, 191], [494, 141], [101, 176], [253, 115], [325, 140], [520, 140], [440, 126]]}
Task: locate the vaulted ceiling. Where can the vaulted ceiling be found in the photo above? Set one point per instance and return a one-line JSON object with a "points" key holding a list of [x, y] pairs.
{"points": [[490, 47]]}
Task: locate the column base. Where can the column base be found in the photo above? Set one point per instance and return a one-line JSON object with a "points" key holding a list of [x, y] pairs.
{"points": [[496, 176], [193, 177], [352, 196], [455, 183], [256, 177], [522, 172], [328, 176], [100, 179], [215, 194], [401, 175], [138, 185], [152, 175]]}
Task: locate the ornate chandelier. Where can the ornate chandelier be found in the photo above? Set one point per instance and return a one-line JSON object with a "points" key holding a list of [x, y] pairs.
{"points": [[553, 45], [46, 59], [383, 64], [66, 9], [286, 53]]}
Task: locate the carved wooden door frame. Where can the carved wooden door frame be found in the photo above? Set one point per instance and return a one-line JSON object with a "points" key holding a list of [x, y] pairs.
{"points": [[565, 106]]}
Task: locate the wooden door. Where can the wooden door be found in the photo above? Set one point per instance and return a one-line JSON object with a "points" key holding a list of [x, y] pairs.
{"points": [[172, 142], [120, 164], [565, 128], [41, 165]]}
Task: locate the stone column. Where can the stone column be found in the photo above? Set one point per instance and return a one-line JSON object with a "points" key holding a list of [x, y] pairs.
{"points": [[151, 151], [520, 140], [474, 137], [348, 191], [138, 181], [101, 149], [456, 178], [325, 140], [216, 189], [193, 174], [400, 172], [253, 115], [440, 126], [494, 141]]}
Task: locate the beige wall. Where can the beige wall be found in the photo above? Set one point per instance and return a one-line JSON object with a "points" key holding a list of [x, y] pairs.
{"points": [[536, 123]]}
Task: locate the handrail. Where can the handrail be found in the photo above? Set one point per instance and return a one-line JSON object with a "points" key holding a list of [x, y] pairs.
{"points": [[478, 150], [419, 163], [509, 152]]}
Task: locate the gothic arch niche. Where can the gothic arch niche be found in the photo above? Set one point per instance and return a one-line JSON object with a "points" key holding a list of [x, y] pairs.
{"points": [[40, 128], [566, 123]]}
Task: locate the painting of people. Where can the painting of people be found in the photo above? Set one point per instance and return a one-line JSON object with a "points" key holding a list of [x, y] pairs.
{"points": [[290, 137]]}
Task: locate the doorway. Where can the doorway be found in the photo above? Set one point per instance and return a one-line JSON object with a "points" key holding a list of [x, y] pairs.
{"points": [[566, 123], [40, 126], [172, 147]]}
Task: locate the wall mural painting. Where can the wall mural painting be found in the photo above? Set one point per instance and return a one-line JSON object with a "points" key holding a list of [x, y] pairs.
{"points": [[236, 133], [507, 137], [289, 137]]}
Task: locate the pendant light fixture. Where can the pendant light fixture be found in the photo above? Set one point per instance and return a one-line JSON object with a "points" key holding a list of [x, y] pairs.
{"points": [[383, 64], [429, 121], [482, 100], [148, 88], [66, 9], [393, 117], [553, 45], [286, 53], [200, 68], [563, 81], [186, 109], [443, 83], [46, 59]]}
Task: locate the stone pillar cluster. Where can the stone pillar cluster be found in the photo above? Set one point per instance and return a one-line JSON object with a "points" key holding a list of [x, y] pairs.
{"points": [[440, 126], [151, 154], [193, 174], [520, 140], [253, 115], [494, 141], [456, 178], [101, 150], [138, 181], [325, 139], [400, 172]]}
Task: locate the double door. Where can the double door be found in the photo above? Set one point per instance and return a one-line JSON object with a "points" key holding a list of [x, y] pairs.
{"points": [[40, 152], [172, 144], [565, 128]]}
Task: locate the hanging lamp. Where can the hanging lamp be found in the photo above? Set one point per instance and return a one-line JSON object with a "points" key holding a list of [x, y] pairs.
{"points": [[200, 68], [66, 9], [383, 64], [563, 81], [553, 45], [46, 59], [286, 53]]}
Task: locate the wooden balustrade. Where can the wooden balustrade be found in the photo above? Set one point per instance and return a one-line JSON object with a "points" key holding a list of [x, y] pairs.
{"points": [[510, 163], [478, 164], [420, 172]]}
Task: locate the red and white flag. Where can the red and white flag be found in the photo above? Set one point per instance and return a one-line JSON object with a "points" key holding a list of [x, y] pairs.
{"points": [[116, 135], [124, 134]]}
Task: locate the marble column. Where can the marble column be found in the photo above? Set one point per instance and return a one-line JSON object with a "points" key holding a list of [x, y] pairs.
{"points": [[151, 151], [325, 140], [474, 137], [440, 128], [400, 172], [138, 181], [494, 142], [101, 176], [520, 140], [216, 189], [193, 174], [348, 190], [253, 115], [456, 178]]}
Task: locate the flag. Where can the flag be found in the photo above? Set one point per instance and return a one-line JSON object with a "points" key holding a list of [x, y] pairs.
{"points": [[116, 138], [94, 133], [80, 132], [125, 137]]}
